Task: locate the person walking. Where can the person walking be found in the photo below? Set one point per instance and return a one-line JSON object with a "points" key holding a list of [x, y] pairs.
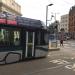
{"points": [[61, 38]]}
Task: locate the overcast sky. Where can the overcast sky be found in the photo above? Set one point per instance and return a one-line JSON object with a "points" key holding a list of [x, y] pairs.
{"points": [[36, 9]]}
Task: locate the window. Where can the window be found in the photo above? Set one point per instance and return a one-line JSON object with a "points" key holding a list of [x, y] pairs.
{"points": [[9, 37], [16, 37], [41, 38]]}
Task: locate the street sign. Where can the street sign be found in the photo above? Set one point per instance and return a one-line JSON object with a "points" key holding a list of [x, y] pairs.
{"points": [[51, 37]]}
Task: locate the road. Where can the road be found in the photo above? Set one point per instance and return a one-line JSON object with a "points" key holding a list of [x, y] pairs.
{"points": [[60, 62]]}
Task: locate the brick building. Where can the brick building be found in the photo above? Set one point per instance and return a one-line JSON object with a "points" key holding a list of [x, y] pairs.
{"points": [[72, 22]]}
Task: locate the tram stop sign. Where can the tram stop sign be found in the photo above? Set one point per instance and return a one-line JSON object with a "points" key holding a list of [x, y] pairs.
{"points": [[51, 37]]}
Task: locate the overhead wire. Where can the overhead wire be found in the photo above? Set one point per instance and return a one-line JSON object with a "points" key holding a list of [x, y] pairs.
{"points": [[67, 2]]}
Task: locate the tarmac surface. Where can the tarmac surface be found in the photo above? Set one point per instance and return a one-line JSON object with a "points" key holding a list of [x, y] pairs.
{"points": [[61, 62]]}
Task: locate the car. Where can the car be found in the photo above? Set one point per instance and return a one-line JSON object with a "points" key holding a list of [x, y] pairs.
{"points": [[67, 38]]}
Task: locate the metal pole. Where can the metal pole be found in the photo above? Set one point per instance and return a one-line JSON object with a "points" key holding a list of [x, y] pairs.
{"points": [[46, 14], [56, 29]]}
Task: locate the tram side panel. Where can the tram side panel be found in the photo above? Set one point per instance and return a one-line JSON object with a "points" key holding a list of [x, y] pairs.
{"points": [[10, 49]]}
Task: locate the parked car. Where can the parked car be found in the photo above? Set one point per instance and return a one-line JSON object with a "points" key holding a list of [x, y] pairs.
{"points": [[67, 38]]}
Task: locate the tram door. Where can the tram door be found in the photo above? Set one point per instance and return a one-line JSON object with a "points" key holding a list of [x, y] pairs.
{"points": [[30, 36]]}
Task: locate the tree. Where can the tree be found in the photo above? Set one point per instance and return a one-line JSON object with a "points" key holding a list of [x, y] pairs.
{"points": [[53, 27]]}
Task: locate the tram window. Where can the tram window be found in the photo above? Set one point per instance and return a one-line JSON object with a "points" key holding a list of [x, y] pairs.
{"points": [[16, 37], [4, 36], [9, 37], [30, 37], [40, 38]]}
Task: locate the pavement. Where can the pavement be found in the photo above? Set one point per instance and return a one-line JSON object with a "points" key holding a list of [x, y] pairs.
{"points": [[60, 62]]}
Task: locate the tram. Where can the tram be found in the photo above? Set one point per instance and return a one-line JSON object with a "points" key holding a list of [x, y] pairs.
{"points": [[21, 38]]}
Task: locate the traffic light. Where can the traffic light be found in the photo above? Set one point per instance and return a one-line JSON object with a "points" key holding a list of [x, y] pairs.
{"points": [[56, 24]]}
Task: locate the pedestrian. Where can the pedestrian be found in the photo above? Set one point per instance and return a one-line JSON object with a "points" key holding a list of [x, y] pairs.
{"points": [[61, 38]]}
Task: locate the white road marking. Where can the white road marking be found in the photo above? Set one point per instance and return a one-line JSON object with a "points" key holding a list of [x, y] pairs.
{"points": [[59, 61], [65, 63], [68, 66], [49, 55], [72, 67], [72, 58], [55, 55]]}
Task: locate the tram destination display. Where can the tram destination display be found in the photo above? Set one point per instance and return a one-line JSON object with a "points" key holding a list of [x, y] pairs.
{"points": [[28, 22]]}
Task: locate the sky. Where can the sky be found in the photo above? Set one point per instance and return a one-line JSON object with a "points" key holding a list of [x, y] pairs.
{"points": [[36, 9]]}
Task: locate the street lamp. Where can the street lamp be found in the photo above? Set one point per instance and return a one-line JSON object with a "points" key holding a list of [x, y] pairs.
{"points": [[47, 12]]}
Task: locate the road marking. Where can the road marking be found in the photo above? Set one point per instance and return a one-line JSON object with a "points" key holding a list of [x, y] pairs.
{"points": [[68, 66], [65, 63], [48, 55], [72, 67], [71, 58], [55, 55], [59, 61], [45, 69], [62, 63]]}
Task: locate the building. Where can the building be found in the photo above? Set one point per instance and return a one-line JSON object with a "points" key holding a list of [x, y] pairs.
{"points": [[72, 22], [72, 19], [10, 6], [64, 23]]}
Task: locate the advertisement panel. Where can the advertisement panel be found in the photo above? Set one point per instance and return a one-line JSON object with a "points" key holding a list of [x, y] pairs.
{"points": [[2, 18], [11, 19]]}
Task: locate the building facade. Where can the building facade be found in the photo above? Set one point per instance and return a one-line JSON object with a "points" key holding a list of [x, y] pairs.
{"points": [[72, 22], [10, 6], [72, 19], [64, 23]]}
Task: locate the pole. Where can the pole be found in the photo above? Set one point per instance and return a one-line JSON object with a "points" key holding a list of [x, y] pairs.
{"points": [[46, 14], [56, 30]]}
